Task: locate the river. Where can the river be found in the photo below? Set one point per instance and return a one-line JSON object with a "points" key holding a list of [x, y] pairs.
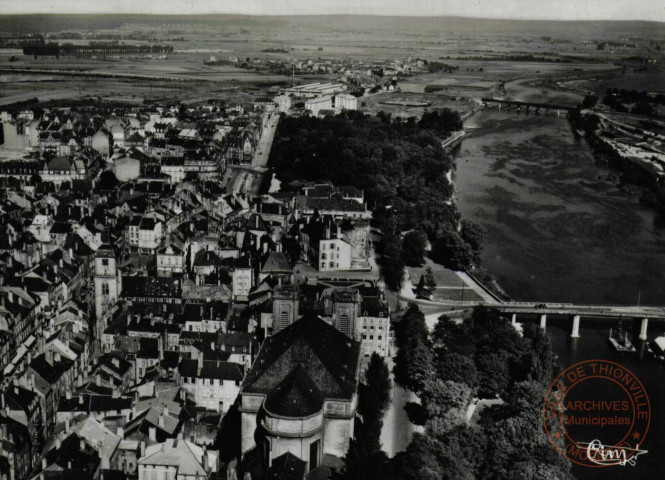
{"points": [[560, 229]]}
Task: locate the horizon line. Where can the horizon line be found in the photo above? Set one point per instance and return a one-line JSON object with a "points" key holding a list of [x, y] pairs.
{"points": [[279, 15]]}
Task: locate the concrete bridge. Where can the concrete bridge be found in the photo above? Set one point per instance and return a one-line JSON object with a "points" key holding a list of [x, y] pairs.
{"points": [[576, 312], [528, 105]]}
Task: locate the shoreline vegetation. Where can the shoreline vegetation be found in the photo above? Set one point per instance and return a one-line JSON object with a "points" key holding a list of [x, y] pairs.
{"points": [[587, 125], [403, 169]]}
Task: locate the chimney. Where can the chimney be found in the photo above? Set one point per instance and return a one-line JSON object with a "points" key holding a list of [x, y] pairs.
{"points": [[161, 421], [69, 463], [57, 357], [60, 263], [152, 434], [68, 395], [121, 432], [48, 355], [44, 465], [58, 443], [82, 445], [166, 410], [67, 425], [81, 399], [142, 448]]}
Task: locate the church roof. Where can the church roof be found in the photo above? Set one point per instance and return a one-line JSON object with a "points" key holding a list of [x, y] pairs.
{"points": [[323, 353], [296, 396]]}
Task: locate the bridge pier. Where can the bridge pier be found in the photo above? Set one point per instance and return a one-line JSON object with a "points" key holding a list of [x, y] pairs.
{"points": [[576, 327], [643, 328], [513, 319], [543, 321]]}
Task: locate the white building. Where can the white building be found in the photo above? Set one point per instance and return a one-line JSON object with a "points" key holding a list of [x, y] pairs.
{"points": [[177, 459], [212, 384], [334, 255], [283, 103], [315, 105], [345, 101]]}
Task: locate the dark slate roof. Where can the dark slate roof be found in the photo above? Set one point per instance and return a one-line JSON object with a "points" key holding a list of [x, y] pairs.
{"points": [[286, 467], [325, 353], [134, 286], [296, 396], [276, 263], [214, 369], [51, 373]]}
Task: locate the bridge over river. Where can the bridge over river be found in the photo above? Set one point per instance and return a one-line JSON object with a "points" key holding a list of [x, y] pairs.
{"points": [[575, 312], [528, 105], [598, 312]]}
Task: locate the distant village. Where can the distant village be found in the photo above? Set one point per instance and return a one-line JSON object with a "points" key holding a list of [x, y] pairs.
{"points": [[147, 305]]}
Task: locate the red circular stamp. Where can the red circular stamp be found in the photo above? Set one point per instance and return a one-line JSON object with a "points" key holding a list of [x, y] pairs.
{"points": [[597, 414]]}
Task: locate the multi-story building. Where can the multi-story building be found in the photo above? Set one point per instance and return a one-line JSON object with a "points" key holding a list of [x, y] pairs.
{"points": [[108, 284], [177, 459], [213, 384], [344, 101]]}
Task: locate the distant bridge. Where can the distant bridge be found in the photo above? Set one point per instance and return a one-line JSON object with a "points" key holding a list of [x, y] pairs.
{"points": [[527, 105]]}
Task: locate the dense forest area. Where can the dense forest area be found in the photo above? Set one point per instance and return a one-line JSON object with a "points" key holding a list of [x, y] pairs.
{"points": [[402, 168]]}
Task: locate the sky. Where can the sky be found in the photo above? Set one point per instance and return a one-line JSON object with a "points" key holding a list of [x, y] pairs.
{"points": [[517, 9]]}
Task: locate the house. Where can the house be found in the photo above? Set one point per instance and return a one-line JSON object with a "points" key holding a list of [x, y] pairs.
{"points": [[177, 459], [300, 395], [170, 260], [213, 384]]}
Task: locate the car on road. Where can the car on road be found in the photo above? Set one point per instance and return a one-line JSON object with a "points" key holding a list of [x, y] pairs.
{"points": [[541, 306]]}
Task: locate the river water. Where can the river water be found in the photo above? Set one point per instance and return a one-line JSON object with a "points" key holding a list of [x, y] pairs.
{"points": [[560, 229]]}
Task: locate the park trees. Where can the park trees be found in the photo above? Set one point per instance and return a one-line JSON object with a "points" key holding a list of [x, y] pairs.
{"points": [[413, 248], [365, 460], [482, 357]]}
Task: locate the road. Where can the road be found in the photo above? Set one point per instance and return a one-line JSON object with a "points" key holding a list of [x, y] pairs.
{"points": [[397, 428], [247, 178]]}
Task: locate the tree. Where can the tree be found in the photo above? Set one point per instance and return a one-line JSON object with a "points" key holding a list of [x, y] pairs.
{"points": [[589, 101], [35, 179], [413, 248], [414, 362], [473, 234], [374, 395], [445, 398], [430, 281], [365, 458], [420, 288], [452, 252], [107, 181]]}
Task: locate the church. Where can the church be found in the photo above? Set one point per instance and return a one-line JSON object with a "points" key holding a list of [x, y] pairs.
{"points": [[299, 398]]}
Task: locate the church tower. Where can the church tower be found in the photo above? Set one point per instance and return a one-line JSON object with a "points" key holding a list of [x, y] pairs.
{"points": [[284, 307], [108, 281]]}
